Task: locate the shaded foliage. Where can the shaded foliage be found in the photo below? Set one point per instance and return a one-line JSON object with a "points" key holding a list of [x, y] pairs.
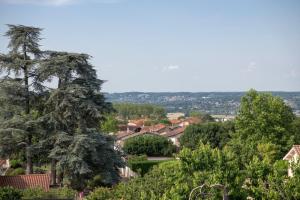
{"points": [[213, 133], [150, 145]]}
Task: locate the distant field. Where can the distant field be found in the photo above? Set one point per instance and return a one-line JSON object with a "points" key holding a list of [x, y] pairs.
{"points": [[209, 102]]}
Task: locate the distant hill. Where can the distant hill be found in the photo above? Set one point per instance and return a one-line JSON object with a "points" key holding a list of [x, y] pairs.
{"points": [[209, 102]]}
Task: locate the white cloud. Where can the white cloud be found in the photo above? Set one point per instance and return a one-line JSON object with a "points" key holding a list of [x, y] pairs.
{"points": [[54, 2], [170, 68], [252, 66]]}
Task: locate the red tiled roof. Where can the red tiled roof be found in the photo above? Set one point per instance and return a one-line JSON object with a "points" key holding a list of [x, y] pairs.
{"points": [[175, 132], [154, 128], [26, 181], [122, 134], [175, 121]]}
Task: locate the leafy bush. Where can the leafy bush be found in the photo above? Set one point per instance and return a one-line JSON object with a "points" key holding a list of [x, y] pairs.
{"points": [[214, 133], [15, 172], [150, 145], [39, 170], [36, 193], [142, 167], [101, 194], [32, 193], [135, 158], [15, 164], [9, 193]]}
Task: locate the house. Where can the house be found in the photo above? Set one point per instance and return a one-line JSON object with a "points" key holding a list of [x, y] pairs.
{"points": [[177, 115], [175, 134], [292, 156], [158, 128], [175, 122], [190, 121], [4, 165], [26, 181], [137, 122], [223, 118], [124, 135]]}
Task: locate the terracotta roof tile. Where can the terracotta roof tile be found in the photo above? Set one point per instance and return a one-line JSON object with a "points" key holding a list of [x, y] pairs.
{"points": [[154, 128], [175, 132], [122, 134], [26, 181]]}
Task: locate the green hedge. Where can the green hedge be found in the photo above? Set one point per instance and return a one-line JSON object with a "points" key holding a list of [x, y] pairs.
{"points": [[150, 145], [9, 193], [142, 167], [55, 193], [15, 172], [15, 164]]}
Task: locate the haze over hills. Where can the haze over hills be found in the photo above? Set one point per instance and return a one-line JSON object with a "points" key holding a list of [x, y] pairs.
{"points": [[208, 102]]}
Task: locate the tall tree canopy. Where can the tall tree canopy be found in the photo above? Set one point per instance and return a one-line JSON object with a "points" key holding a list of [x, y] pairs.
{"points": [[60, 122], [262, 119], [214, 133], [17, 94], [72, 116]]}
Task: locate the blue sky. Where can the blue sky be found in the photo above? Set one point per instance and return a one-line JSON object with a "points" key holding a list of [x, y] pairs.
{"points": [[172, 45]]}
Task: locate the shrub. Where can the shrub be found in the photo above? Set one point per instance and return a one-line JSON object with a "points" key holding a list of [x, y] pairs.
{"points": [[213, 133], [33, 193], [150, 145], [39, 170], [16, 172], [142, 167], [56, 193], [15, 164], [9, 193], [135, 158], [100, 194]]}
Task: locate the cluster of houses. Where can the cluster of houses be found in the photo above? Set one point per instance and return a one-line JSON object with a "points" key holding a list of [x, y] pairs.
{"points": [[173, 131]]}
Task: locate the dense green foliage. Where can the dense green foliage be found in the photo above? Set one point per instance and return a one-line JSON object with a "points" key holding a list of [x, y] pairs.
{"points": [[15, 172], [55, 193], [8, 193], [58, 125], [249, 165], [150, 145], [110, 125], [203, 116], [175, 179], [18, 96], [213, 133], [142, 167], [134, 111], [262, 119]]}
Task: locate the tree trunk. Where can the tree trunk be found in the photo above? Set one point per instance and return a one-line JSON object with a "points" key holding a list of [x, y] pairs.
{"points": [[25, 70], [53, 171], [29, 166], [60, 178]]}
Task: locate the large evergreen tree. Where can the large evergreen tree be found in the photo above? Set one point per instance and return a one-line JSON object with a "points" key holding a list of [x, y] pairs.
{"points": [[72, 116], [17, 96]]}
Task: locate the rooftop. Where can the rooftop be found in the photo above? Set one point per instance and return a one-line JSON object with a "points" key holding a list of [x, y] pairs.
{"points": [[26, 181]]}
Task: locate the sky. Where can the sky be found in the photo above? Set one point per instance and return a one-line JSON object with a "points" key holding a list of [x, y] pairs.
{"points": [[172, 45]]}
